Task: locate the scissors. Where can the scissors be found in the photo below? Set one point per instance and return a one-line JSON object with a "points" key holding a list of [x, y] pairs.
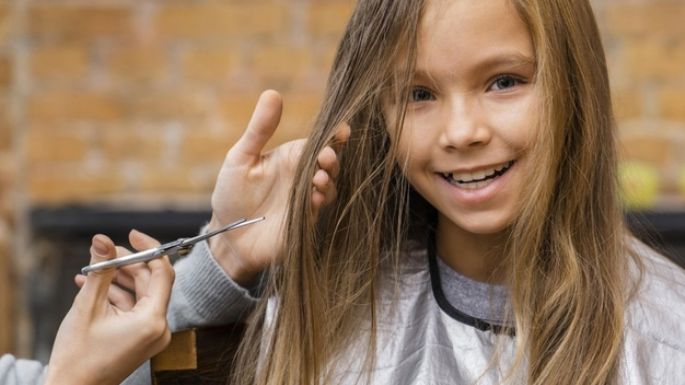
{"points": [[181, 247]]}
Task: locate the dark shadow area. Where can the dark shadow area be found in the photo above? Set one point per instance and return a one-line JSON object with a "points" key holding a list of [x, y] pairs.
{"points": [[664, 231]]}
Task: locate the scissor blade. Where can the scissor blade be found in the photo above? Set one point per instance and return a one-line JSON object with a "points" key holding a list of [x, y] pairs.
{"points": [[231, 226], [167, 248]]}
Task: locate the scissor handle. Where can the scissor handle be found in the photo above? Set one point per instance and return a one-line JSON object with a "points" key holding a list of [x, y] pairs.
{"points": [[141, 256]]}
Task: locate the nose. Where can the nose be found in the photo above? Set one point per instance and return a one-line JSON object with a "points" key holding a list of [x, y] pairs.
{"points": [[465, 125]]}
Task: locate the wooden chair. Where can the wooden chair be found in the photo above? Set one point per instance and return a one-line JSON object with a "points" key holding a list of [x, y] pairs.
{"points": [[198, 356]]}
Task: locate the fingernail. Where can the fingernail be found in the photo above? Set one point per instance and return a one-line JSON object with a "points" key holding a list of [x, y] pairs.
{"points": [[99, 246]]}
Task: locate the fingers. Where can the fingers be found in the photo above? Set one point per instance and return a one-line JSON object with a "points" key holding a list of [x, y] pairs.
{"points": [[142, 241], [139, 273], [118, 296], [123, 276], [156, 280], [265, 119], [327, 161], [97, 282], [161, 281], [134, 278], [342, 135], [153, 279], [324, 191], [101, 249], [328, 157]]}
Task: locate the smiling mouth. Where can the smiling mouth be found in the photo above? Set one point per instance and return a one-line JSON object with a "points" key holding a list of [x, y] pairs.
{"points": [[478, 179]]}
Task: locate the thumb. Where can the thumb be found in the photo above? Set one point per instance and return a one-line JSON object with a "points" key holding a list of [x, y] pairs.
{"points": [[265, 119], [97, 282]]}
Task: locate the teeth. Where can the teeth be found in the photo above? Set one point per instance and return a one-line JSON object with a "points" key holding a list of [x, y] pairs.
{"points": [[478, 179], [479, 175]]}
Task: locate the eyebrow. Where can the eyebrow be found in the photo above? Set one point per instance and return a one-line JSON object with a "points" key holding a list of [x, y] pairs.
{"points": [[487, 64], [515, 59]]}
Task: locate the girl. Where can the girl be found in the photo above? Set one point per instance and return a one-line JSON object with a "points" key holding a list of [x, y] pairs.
{"points": [[469, 231]]}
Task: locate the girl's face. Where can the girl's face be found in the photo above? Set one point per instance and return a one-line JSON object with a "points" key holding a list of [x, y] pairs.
{"points": [[471, 113]]}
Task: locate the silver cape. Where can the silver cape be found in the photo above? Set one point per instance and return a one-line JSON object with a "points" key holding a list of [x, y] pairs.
{"points": [[419, 342]]}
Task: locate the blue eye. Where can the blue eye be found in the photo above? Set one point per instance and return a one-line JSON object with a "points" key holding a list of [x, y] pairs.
{"points": [[419, 94], [504, 82]]}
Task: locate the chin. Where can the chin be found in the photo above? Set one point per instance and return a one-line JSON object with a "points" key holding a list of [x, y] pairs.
{"points": [[485, 229], [482, 224]]}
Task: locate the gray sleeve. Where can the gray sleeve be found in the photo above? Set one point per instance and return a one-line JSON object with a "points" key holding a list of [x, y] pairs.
{"points": [[20, 372], [204, 295], [141, 376]]}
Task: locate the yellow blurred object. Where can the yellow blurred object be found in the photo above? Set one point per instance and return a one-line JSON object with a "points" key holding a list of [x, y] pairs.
{"points": [[681, 182], [639, 184]]}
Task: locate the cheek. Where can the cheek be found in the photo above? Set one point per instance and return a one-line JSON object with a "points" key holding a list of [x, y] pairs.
{"points": [[411, 155], [518, 123], [390, 118], [404, 155], [415, 142], [398, 136]]}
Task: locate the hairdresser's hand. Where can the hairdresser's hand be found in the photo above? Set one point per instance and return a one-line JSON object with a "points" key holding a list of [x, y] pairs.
{"points": [[252, 184], [122, 292], [101, 343]]}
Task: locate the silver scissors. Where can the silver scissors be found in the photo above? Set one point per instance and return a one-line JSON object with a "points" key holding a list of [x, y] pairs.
{"points": [[181, 246]]}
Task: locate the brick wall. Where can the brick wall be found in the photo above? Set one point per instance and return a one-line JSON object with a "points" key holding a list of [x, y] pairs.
{"points": [[645, 43], [6, 183], [135, 102], [129, 100]]}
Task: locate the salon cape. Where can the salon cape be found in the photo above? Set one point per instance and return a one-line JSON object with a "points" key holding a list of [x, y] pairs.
{"points": [[423, 340]]}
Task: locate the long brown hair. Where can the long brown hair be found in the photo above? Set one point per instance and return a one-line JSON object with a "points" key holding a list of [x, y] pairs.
{"points": [[565, 259]]}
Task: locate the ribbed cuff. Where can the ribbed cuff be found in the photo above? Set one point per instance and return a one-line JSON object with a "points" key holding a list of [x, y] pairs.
{"points": [[214, 296]]}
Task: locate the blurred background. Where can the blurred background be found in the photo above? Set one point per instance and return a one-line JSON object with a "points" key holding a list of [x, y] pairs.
{"points": [[117, 114]]}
